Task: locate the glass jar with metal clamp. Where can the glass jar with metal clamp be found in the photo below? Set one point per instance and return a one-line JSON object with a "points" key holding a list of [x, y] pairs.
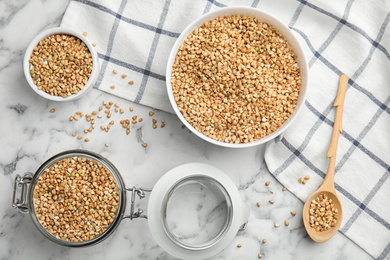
{"points": [[194, 210]]}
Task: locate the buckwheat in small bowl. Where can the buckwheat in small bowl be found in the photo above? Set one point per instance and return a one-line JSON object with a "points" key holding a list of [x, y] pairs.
{"points": [[60, 64], [237, 77]]}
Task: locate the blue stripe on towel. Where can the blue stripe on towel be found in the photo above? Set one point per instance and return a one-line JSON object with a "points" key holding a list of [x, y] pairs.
{"points": [[110, 43], [131, 67], [353, 27], [322, 117], [152, 51], [338, 187], [128, 20], [351, 82], [333, 34], [384, 253]]}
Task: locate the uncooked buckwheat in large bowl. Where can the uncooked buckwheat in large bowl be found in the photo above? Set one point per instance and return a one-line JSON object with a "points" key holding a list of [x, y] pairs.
{"points": [[237, 77]]}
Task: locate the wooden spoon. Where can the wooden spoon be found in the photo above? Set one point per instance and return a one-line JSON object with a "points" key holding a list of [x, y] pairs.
{"points": [[327, 187]]}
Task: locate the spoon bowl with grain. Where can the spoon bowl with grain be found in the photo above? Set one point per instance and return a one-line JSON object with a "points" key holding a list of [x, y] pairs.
{"points": [[322, 212]]}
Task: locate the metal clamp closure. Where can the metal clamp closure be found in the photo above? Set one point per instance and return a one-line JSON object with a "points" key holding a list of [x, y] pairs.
{"points": [[141, 194], [21, 185]]}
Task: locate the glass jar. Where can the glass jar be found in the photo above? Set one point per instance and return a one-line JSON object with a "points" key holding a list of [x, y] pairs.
{"points": [[194, 210]]}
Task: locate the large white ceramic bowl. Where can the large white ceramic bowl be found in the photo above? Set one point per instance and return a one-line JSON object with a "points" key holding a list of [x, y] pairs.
{"points": [[60, 30], [262, 16]]}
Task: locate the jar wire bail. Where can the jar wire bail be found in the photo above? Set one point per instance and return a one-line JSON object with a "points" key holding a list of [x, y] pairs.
{"points": [[21, 185], [140, 192]]}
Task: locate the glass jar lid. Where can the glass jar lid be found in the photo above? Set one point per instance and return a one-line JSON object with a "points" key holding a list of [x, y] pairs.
{"points": [[195, 211]]}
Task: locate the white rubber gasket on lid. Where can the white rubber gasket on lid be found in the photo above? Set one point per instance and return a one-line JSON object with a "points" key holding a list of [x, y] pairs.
{"points": [[240, 211]]}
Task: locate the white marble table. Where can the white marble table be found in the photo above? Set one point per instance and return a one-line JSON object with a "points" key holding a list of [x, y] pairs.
{"points": [[30, 134]]}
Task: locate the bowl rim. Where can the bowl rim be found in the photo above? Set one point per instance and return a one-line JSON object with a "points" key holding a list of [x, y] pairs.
{"points": [[60, 30], [277, 24]]}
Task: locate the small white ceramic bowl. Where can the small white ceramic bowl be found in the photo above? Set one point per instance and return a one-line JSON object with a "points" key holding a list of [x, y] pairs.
{"points": [[60, 30], [264, 17]]}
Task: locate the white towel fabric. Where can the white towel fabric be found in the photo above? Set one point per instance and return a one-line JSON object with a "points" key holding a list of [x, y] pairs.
{"points": [[349, 37], [352, 38]]}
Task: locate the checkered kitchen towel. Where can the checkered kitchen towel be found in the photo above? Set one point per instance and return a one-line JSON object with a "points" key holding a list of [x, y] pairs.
{"points": [[349, 37], [352, 38]]}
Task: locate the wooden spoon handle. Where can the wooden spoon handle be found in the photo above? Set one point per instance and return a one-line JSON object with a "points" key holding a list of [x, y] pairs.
{"points": [[337, 129]]}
